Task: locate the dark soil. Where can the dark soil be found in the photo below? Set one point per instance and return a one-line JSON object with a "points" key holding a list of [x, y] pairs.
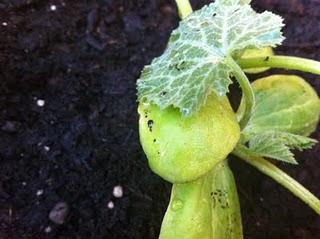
{"points": [[60, 161]]}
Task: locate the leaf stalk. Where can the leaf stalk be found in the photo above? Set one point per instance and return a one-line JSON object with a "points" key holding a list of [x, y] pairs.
{"points": [[247, 91], [286, 62], [279, 176]]}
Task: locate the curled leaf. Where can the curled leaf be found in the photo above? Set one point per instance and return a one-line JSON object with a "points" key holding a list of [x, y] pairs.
{"points": [[285, 103], [287, 110]]}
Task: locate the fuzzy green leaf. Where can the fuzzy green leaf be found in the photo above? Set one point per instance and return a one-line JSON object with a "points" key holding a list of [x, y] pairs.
{"points": [[277, 145], [283, 103], [194, 63]]}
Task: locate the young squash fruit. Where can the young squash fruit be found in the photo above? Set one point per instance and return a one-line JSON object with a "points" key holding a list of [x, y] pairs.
{"points": [[181, 149]]}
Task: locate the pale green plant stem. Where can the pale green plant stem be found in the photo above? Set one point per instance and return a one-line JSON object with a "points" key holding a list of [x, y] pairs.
{"points": [[184, 8], [286, 62], [247, 91], [279, 176]]}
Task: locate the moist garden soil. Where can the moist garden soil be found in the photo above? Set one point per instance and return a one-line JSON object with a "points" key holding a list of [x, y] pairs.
{"points": [[68, 122]]}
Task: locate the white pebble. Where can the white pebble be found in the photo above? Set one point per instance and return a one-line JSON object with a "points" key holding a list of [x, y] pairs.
{"points": [[53, 7], [110, 205], [39, 192], [41, 102], [48, 229], [46, 148], [117, 191], [4, 24]]}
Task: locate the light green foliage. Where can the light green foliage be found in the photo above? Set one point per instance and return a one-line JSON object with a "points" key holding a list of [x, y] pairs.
{"points": [[287, 110], [181, 149], [277, 145], [194, 63], [285, 103], [207, 208]]}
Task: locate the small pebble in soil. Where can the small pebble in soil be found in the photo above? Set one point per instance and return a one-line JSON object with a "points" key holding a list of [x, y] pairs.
{"points": [[53, 7], [117, 191], [46, 148], [41, 102], [110, 205], [39, 192], [48, 229], [4, 24], [59, 213]]}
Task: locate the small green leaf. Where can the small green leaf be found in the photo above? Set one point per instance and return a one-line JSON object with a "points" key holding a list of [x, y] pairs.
{"points": [[283, 103], [277, 145], [194, 63]]}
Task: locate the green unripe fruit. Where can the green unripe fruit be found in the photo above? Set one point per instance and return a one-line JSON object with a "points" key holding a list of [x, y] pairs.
{"points": [[284, 103], [181, 149]]}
